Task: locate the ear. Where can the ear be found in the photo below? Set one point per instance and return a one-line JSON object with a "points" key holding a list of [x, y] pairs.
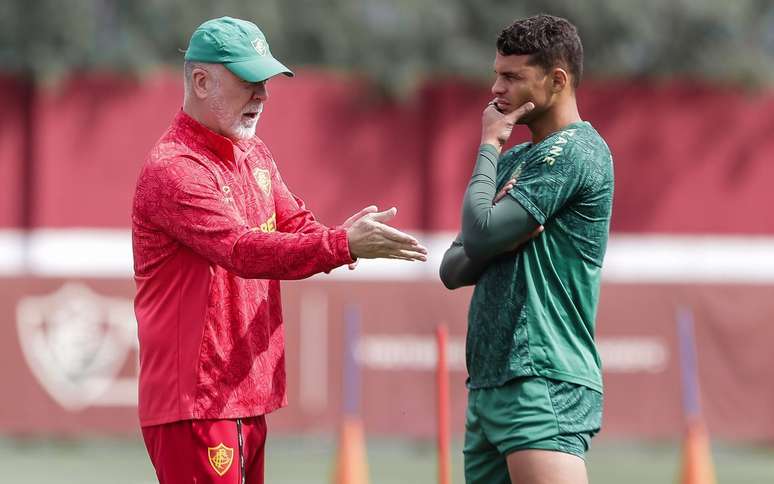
{"points": [[201, 82], [559, 79]]}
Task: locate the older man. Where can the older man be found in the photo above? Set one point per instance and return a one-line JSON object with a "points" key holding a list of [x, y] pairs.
{"points": [[214, 229]]}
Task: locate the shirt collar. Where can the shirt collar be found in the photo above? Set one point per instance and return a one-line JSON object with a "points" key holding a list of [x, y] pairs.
{"points": [[223, 148]]}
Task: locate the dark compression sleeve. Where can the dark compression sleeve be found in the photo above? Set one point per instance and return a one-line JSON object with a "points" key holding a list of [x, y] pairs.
{"points": [[457, 269], [489, 230]]}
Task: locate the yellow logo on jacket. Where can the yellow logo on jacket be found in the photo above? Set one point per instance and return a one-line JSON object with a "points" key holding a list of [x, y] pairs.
{"points": [[263, 179], [270, 225], [221, 458]]}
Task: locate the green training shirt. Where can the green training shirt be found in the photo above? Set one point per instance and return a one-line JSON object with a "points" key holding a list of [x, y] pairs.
{"points": [[532, 312]]}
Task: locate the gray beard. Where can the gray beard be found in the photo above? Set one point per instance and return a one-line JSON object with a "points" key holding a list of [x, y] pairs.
{"points": [[240, 131], [237, 130]]}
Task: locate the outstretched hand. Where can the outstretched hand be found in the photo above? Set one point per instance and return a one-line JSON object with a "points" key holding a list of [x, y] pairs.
{"points": [[351, 220], [371, 238]]}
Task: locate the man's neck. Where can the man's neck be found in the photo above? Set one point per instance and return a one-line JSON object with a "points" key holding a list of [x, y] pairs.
{"points": [[200, 115], [562, 115]]}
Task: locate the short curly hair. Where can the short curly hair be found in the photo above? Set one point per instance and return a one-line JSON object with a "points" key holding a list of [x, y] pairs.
{"points": [[550, 41]]}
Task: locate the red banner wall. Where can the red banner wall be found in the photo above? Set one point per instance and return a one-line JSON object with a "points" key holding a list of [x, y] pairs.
{"points": [[678, 148], [69, 357]]}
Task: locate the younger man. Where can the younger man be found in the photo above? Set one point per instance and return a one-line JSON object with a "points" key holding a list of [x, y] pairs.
{"points": [[535, 381]]}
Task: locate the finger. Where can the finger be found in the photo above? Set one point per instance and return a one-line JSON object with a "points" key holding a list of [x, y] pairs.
{"points": [[413, 255], [396, 235], [389, 246], [386, 215], [407, 250], [398, 257], [408, 255], [517, 113], [360, 214], [495, 106], [410, 247], [492, 106], [502, 193], [417, 250], [364, 211]]}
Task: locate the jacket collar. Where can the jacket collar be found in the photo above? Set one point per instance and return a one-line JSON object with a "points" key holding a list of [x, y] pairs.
{"points": [[201, 137]]}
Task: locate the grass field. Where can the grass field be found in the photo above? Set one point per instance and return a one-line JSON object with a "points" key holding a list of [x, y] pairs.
{"points": [[309, 461]]}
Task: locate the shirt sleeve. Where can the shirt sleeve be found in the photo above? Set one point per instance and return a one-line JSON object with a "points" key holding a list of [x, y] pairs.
{"points": [[489, 230], [548, 180], [457, 269], [183, 200]]}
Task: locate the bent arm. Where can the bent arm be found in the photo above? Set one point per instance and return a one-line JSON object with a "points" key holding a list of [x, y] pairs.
{"points": [[457, 269], [489, 230], [185, 203]]}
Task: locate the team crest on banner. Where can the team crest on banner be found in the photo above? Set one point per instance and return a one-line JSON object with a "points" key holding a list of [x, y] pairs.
{"points": [[76, 342], [263, 180], [221, 458]]}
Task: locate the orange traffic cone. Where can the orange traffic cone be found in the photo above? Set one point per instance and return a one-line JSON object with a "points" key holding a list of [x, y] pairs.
{"points": [[697, 465], [351, 463]]}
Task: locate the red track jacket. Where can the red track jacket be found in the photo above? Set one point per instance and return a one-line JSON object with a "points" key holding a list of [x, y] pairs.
{"points": [[213, 229]]}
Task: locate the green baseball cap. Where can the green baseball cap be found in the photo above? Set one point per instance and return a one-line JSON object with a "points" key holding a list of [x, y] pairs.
{"points": [[237, 44]]}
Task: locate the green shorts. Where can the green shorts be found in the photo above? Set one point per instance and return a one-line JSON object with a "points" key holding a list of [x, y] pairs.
{"points": [[526, 413]]}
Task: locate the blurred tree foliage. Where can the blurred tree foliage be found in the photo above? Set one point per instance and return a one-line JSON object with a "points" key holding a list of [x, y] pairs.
{"points": [[396, 42]]}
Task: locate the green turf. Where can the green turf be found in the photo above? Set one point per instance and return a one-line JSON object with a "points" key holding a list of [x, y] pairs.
{"points": [[310, 461]]}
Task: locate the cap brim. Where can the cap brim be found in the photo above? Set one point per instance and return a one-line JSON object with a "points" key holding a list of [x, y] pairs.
{"points": [[259, 69]]}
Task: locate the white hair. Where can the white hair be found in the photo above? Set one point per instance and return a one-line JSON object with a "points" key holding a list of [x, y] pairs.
{"points": [[188, 68]]}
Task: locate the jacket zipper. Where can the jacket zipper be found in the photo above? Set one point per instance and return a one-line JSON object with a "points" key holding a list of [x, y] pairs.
{"points": [[241, 451]]}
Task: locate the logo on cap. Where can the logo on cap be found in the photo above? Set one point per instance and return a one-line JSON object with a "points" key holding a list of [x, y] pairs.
{"points": [[260, 46]]}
